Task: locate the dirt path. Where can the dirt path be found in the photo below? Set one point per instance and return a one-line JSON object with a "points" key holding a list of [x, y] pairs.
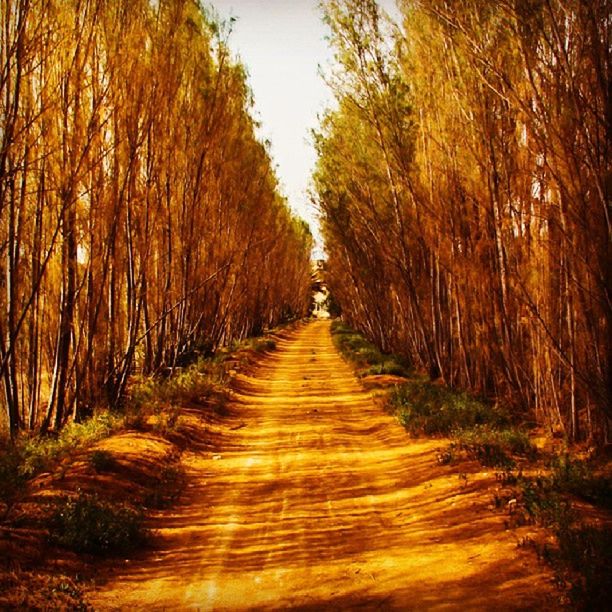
{"points": [[321, 501]]}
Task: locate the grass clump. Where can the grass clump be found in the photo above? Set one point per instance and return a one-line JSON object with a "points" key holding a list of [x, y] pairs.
{"points": [[92, 525], [30, 455], [479, 430], [21, 590], [582, 556], [494, 447], [424, 408], [196, 384], [171, 482], [582, 553], [363, 354], [576, 477], [262, 345], [388, 366]]}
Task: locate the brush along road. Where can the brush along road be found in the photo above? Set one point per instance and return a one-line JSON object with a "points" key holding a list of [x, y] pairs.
{"points": [[315, 498]]}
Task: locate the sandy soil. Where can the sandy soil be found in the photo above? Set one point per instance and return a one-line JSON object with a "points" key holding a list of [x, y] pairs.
{"points": [[315, 499]]}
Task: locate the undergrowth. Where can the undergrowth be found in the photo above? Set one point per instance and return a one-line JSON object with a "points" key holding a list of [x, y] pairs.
{"points": [[582, 553], [478, 429], [40, 591], [364, 356], [31, 455], [93, 525], [427, 408], [151, 405]]}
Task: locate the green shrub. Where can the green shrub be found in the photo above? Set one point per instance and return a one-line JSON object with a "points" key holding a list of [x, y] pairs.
{"points": [[494, 447], [576, 477], [389, 366], [89, 524], [542, 503], [263, 345], [167, 421], [194, 384], [583, 555], [39, 453], [426, 408], [363, 354]]}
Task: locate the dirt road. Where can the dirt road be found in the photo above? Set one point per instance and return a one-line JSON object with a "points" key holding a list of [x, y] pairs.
{"points": [[316, 499]]}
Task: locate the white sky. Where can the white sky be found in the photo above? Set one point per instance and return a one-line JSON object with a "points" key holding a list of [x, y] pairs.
{"points": [[282, 43]]}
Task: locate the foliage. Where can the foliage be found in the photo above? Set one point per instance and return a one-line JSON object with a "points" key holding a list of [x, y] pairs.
{"points": [[171, 481], [11, 476], [144, 226], [494, 447], [89, 524], [262, 345], [427, 408], [576, 477], [29, 455], [462, 178], [363, 354], [23, 590], [582, 553]]}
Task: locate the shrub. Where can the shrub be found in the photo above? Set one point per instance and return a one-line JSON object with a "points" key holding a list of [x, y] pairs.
{"points": [[363, 354], [35, 454], [194, 384], [583, 555], [425, 408], [89, 524], [263, 345], [576, 477], [494, 447], [388, 366]]}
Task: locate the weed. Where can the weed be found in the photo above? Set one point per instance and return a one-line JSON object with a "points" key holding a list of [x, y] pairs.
{"points": [[167, 421], [262, 345], [89, 524], [388, 366], [494, 447], [576, 477], [543, 504], [21, 590], [426, 408], [30, 455], [446, 456]]}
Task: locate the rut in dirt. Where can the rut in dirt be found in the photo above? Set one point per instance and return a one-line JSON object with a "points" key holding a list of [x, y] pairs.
{"points": [[318, 498]]}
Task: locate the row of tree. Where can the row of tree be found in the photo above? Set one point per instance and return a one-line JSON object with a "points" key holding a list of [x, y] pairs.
{"points": [[464, 185], [140, 218]]}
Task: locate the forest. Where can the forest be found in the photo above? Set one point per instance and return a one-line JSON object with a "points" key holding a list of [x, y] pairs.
{"points": [[204, 405], [464, 184], [140, 217]]}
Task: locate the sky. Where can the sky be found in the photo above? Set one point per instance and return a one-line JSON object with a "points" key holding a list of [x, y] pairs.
{"points": [[282, 44]]}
